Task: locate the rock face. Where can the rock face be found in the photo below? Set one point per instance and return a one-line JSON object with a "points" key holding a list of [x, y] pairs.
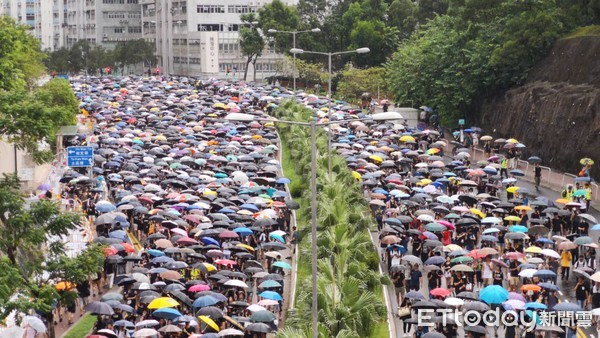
{"points": [[556, 113]]}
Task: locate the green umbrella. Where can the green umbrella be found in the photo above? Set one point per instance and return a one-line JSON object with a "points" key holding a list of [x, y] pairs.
{"points": [[269, 284], [433, 227], [220, 175], [462, 259], [579, 193], [282, 265]]}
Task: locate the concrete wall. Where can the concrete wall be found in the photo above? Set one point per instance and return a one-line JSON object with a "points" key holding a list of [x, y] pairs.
{"points": [[31, 174]]}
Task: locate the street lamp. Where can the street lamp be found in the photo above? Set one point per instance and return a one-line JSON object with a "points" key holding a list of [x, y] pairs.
{"points": [[362, 50], [314, 30], [313, 185]]}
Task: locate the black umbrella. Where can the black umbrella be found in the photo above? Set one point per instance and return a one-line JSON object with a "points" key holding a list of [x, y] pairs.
{"points": [[99, 308], [259, 327]]}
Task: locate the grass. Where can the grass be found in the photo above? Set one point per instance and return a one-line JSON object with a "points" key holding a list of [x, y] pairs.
{"points": [[585, 31], [82, 328], [289, 170]]}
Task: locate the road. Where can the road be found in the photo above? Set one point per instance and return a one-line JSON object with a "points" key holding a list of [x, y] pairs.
{"points": [[565, 295]]}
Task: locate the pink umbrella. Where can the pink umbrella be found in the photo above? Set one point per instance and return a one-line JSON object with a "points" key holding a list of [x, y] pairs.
{"points": [[516, 296], [225, 262], [515, 304], [180, 232], [199, 288], [228, 234], [187, 241], [447, 224]]}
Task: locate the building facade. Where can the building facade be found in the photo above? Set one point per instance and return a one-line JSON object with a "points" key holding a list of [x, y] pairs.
{"points": [[201, 38]]}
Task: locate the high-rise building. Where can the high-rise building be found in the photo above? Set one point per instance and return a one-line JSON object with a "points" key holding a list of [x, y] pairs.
{"points": [[201, 37], [105, 22], [45, 17]]}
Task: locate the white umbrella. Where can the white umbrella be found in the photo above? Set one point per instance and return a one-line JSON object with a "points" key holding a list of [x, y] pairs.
{"points": [[527, 273], [139, 277], [36, 323], [550, 253], [145, 333], [12, 332], [255, 307], [595, 277], [230, 332], [452, 301], [236, 283]]}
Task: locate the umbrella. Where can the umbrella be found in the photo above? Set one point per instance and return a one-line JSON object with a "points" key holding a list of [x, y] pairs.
{"points": [[493, 294], [230, 332], [163, 302], [167, 313], [35, 323], [211, 323], [144, 333], [259, 327], [262, 316], [568, 307], [99, 308], [586, 161]]}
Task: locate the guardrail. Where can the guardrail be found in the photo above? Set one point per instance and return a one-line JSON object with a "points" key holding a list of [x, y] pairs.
{"points": [[567, 175]]}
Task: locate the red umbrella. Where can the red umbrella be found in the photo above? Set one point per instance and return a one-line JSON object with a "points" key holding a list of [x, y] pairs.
{"points": [[199, 288], [440, 292], [109, 251], [187, 241], [228, 234], [514, 255], [225, 262], [128, 247], [500, 263], [192, 218]]}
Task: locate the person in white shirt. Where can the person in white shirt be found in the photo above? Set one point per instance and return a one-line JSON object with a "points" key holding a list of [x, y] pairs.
{"points": [[487, 272]]}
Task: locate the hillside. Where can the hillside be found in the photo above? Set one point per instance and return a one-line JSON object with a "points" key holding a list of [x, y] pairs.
{"points": [[556, 112]]}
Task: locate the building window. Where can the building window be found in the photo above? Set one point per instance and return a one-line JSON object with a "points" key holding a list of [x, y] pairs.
{"points": [[119, 30], [210, 28], [113, 2], [228, 48], [134, 2], [134, 15], [211, 9], [134, 30], [240, 9], [233, 28]]}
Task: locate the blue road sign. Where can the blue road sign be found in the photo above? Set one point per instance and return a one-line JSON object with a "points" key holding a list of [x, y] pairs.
{"points": [[461, 122], [80, 156]]}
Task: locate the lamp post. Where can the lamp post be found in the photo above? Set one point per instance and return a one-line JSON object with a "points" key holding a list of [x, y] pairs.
{"points": [[313, 186], [314, 30], [362, 50]]}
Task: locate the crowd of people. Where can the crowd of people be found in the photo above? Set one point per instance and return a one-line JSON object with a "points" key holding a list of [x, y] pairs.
{"points": [[192, 209], [449, 229]]}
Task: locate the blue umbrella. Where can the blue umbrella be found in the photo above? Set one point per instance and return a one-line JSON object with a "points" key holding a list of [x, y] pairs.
{"points": [[546, 240], [162, 260], [545, 274], [570, 307], [167, 313], [118, 234], [535, 306], [517, 172], [596, 227], [268, 295], [155, 253], [549, 286], [105, 207], [518, 228], [209, 240], [250, 207], [399, 247], [277, 237], [205, 301], [227, 211], [435, 260], [493, 294], [283, 180], [243, 231], [283, 265], [269, 284], [414, 295]]}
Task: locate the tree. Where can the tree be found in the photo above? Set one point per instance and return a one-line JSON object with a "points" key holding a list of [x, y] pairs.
{"points": [[279, 16], [21, 58], [28, 119], [134, 52], [356, 81], [252, 41], [28, 251]]}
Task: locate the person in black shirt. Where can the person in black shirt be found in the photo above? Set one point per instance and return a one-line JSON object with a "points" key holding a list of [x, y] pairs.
{"points": [[557, 225], [497, 276], [538, 176]]}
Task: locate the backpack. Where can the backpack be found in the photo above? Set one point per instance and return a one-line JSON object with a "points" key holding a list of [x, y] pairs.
{"points": [[563, 194]]}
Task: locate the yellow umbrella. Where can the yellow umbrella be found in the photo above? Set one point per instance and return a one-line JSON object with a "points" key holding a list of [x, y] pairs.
{"points": [[432, 151], [562, 201], [60, 286], [512, 140], [209, 322], [512, 189], [512, 218], [453, 247], [407, 138], [477, 212], [523, 207], [209, 267], [209, 192], [161, 138], [376, 158], [533, 249], [219, 105], [256, 137], [586, 161], [356, 175], [425, 181], [163, 302], [245, 246]]}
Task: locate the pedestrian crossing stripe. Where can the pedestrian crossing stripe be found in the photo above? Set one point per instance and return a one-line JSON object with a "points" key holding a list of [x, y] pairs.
{"points": [[580, 333], [136, 244]]}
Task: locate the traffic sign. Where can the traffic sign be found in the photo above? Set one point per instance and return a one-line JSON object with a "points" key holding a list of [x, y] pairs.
{"points": [[80, 156], [461, 122]]}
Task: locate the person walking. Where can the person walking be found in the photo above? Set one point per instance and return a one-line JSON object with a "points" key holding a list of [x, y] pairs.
{"points": [[565, 264], [504, 168], [538, 176]]}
